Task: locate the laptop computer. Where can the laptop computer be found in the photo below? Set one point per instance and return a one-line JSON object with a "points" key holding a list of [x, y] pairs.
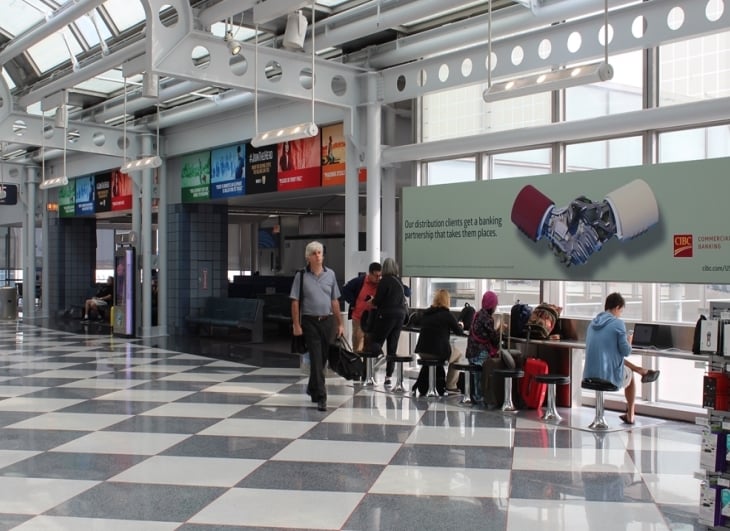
{"points": [[650, 335]]}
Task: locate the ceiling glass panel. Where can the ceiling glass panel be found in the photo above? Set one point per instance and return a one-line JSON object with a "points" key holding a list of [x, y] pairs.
{"points": [[85, 25], [26, 13], [8, 80], [107, 83], [52, 50], [125, 13]]}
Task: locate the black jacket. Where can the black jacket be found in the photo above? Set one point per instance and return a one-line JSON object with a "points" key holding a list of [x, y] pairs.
{"points": [[389, 297], [437, 324]]}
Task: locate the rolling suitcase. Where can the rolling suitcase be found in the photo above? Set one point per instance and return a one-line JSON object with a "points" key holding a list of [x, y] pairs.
{"points": [[533, 392]]}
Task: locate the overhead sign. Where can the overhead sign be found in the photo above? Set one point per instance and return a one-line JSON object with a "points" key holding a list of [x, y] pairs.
{"points": [[8, 194], [655, 223]]}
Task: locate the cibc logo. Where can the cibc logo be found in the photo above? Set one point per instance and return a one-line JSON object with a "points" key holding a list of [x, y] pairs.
{"points": [[682, 246]]}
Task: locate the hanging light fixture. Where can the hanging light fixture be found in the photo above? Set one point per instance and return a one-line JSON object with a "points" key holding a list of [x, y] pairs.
{"points": [[291, 132], [548, 81], [234, 46], [152, 161], [62, 180]]}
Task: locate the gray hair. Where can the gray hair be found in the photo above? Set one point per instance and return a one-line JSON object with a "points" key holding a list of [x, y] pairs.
{"points": [[313, 247], [390, 267]]}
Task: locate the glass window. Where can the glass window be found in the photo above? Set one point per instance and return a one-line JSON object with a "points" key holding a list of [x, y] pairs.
{"points": [[623, 93], [521, 163], [694, 144], [451, 171], [695, 69], [125, 13], [603, 154], [52, 50]]}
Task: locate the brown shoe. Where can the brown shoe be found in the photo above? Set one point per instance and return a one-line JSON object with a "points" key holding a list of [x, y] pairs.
{"points": [[650, 376]]}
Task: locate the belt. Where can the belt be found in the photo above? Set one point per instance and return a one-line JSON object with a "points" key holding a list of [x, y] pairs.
{"points": [[317, 317]]}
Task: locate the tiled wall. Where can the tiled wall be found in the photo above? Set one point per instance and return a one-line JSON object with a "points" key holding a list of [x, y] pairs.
{"points": [[197, 251], [71, 251]]}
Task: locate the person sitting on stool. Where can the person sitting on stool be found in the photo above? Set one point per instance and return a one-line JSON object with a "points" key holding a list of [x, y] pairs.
{"points": [[102, 299]]}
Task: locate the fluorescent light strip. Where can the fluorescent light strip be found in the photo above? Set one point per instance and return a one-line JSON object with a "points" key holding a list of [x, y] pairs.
{"points": [[547, 81], [142, 164], [284, 134], [54, 182]]}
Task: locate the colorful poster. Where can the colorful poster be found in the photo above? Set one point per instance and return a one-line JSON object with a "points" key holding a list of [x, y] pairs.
{"points": [[84, 195], [67, 200], [228, 171], [334, 151], [299, 164], [122, 187], [637, 224], [261, 169], [195, 177], [102, 192]]}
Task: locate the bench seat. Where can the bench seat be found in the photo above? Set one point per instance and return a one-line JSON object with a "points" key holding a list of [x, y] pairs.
{"points": [[246, 314]]}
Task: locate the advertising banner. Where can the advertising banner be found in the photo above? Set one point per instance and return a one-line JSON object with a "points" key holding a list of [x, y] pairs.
{"points": [[228, 166], [195, 177], [67, 200], [334, 153], [103, 192], [122, 186], [657, 223], [299, 164], [85, 195], [261, 169]]}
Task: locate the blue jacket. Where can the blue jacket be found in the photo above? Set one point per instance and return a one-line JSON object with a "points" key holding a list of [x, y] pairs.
{"points": [[606, 348]]}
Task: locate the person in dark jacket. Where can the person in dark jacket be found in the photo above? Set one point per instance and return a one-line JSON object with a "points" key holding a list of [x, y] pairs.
{"points": [[390, 301], [358, 293], [434, 338]]}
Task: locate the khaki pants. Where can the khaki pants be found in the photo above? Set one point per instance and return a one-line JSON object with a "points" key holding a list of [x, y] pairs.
{"points": [[452, 375]]}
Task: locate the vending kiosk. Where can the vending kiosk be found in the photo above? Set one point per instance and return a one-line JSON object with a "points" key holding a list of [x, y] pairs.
{"points": [[124, 287]]}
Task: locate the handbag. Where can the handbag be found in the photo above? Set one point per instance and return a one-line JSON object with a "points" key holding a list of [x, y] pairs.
{"points": [[344, 361], [299, 343]]}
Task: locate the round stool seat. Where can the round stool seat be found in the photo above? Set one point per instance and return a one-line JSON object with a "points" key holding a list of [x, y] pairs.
{"points": [[557, 379], [399, 359], [368, 354], [461, 366], [509, 373], [430, 363], [597, 384]]}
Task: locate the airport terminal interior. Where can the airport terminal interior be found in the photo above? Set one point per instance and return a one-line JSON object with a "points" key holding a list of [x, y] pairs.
{"points": [[200, 144]]}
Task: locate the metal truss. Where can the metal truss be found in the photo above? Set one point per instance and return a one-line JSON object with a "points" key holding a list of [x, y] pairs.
{"points": [[639, 26]]}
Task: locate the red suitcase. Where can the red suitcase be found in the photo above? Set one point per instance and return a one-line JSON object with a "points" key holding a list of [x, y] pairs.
{"points": [[533, 392]]}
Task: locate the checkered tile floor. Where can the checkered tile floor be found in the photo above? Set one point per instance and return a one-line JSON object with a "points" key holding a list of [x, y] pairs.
{"points": [[105, 433]]}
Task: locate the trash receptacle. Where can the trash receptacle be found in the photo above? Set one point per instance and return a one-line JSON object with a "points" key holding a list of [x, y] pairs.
{"points": [[8, 303]]}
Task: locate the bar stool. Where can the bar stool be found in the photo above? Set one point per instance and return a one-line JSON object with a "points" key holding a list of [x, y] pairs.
{"points": [[399, 361], [508, 375], [552, 380], [370, 358], [431, 364], [599, 386], [464, 368]]}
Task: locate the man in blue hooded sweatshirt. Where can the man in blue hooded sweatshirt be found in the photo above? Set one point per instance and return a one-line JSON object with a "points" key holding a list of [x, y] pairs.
{"points": [[607, 347]]}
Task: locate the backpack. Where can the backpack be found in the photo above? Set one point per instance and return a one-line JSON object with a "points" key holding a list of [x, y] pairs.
{"points": [[466, 316], [519, 315], [697, 335], [542, 320]]}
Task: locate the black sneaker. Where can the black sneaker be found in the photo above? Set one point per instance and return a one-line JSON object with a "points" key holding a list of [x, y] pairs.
{"points": [[322, 404], [650, 376]]}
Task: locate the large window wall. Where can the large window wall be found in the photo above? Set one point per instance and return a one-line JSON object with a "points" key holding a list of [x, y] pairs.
{"points": [[687, 71]]}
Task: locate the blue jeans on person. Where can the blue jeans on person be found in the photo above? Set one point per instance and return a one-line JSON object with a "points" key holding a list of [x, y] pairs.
{"points": [[476, 380]]}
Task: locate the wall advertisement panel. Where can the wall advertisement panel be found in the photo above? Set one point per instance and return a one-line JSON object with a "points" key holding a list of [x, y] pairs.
{"points": [[658, 223], [195, 177], [299, 165], [228, 167]]}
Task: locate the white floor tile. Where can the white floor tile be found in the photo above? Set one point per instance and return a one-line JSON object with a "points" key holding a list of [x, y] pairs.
{"points": [[37, 495], [302, 400], [8, 457], [18, 390], [71, 374], [194, 410], [442, 481], [572, 459], [569, 515], [467, 436], [69, 421], [203, 471], [326, 451], [145, 395], [674, 489], [213, 377], [259, 508], [248, 388], [405, 417], [104, 383], [115, 442], [40, 405], [259, 428], [57, 523]]}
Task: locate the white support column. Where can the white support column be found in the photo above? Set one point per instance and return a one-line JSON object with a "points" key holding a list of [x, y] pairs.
{"points": [[372, 158], [162, 250], [390, 217], [352, 193], [147, 177], [45, 271], [31, 183]]}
